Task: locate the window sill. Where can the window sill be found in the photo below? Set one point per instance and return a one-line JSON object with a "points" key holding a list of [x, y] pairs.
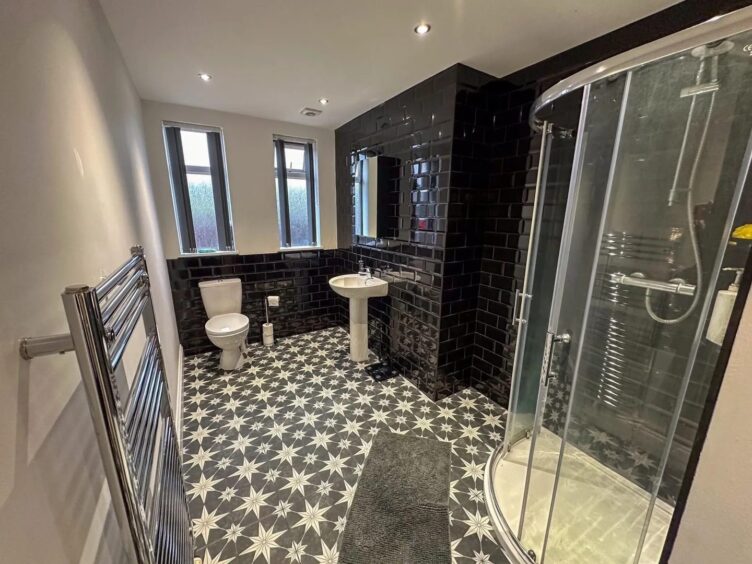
{"points": [[297, 249], [212, 254]]}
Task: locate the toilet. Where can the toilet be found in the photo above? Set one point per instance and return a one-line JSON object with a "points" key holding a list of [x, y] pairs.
{"points": [[227, 328]]}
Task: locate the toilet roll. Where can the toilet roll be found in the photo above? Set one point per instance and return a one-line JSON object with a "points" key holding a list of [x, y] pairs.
{"points": [[268, 334], [273, 301]]}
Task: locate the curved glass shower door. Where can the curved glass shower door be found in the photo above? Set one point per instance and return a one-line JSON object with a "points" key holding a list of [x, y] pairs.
{"points": [[523, 397], [533, 307], [532, 304], [618, 354], [596, 138], [637, 294]]}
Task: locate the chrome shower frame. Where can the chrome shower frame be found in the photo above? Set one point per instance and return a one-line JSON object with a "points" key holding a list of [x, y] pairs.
{"points": [[709, 32]]}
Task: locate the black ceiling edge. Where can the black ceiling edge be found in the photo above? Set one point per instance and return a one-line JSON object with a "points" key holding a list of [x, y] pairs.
{"points": [[676, 18]]}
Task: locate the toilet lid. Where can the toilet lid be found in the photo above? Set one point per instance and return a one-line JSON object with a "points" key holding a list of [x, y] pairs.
{"points": [[227, 324]]}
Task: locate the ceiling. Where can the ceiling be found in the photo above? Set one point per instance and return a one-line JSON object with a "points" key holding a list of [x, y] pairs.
{"points": [[270, 58]]}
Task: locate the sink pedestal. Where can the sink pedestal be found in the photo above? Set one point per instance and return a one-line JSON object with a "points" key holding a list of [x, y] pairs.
{"points": [[358, 329], [358, 288]]}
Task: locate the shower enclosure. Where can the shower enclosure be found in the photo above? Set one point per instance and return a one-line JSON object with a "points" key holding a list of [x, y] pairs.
{"points": [[642, 181]]}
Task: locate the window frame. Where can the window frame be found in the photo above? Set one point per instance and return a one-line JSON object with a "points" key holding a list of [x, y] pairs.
{"points": [[181, 204], [310, 174]]}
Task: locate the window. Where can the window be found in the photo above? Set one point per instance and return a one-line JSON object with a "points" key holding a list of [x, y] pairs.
{"points": [[195, 157], [296, 192]]}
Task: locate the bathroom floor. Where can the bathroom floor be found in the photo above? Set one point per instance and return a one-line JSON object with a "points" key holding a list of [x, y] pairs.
{"points": [[273, 450]]}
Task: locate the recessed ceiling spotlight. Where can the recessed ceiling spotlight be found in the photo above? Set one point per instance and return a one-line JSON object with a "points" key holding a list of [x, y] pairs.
{"points": [[323, 101], [422, 28], [206, 77]]}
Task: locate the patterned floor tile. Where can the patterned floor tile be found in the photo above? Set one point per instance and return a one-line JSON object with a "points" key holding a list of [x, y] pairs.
{"points": [[273, 451]]}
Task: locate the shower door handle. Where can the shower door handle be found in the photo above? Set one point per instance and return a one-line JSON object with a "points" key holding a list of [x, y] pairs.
{"points": [[553, 357], [515, 308], [518, 311], [564, 338]]}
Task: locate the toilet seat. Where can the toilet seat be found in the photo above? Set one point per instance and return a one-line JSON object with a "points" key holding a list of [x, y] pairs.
{"points": [[226, 325]]}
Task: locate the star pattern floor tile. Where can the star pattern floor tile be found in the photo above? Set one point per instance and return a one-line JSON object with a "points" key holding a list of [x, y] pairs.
{"points": [[273, 451]]}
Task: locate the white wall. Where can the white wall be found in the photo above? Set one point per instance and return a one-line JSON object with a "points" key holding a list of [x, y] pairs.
{"points": [[717, 521], [74, 196], [250, 172]]}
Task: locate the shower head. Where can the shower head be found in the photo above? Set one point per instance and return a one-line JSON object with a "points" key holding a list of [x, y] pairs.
{"points": [[711, 51], [704, 51], [700, 87]]}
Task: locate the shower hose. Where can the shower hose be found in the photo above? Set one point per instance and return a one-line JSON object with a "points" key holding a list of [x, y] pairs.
{"points": [[690, 199]]}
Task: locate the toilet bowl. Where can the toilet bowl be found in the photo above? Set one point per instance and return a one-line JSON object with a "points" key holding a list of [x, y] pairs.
{"points": [[227, 328], [228, 332]]}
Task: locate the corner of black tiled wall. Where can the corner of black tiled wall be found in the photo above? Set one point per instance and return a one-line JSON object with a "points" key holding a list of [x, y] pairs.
{"points": [[464, 241], [505, 219]]}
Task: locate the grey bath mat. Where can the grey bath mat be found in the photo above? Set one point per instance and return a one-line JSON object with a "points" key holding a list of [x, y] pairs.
{"points": [[400, 513]]}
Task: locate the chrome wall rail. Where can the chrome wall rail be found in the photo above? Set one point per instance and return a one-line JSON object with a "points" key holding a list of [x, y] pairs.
{"points": [[135, 428], [173, 541], [125, 291], [82, 311], [106, 285], [122, 330]]}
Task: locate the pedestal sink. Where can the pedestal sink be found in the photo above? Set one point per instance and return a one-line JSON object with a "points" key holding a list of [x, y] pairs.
{"points": [[358, 289]]}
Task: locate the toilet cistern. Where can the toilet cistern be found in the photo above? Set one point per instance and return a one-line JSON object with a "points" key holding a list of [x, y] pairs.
{"points": [[358, 288]]}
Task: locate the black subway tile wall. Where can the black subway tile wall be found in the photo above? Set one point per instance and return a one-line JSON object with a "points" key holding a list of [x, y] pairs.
{"points": [[415, 127], [468, 158], [465, 156], [300, 279], [464, 238], [505, 217]]}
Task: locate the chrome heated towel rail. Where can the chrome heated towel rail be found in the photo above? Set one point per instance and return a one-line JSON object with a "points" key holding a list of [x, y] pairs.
{"points": [[135, 428]]}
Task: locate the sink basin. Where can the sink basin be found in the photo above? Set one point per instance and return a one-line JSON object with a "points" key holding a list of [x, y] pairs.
{"points": [[355, 286], [358, 289]]}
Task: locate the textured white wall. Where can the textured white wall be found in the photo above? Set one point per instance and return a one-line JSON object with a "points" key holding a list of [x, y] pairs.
{"points": [[250, 172], [717, 522], [74, 196]]}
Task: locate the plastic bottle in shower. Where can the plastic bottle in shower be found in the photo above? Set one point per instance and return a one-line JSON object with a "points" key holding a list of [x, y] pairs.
{"points": [[724, 303]]}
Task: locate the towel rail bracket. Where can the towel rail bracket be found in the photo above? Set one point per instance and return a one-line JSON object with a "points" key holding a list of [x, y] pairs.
{"points": [[33, 347]]}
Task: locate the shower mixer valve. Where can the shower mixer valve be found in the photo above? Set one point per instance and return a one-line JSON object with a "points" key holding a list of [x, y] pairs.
{"points": [[639, 280]]}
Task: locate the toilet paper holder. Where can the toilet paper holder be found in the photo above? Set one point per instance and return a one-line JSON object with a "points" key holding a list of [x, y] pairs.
{"points": [[267, 333]]}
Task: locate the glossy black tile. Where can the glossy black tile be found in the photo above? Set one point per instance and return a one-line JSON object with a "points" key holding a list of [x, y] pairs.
{"points": [[300, 279]]}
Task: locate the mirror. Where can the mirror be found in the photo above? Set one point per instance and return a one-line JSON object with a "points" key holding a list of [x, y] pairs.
{"points": [[376, 195]]}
